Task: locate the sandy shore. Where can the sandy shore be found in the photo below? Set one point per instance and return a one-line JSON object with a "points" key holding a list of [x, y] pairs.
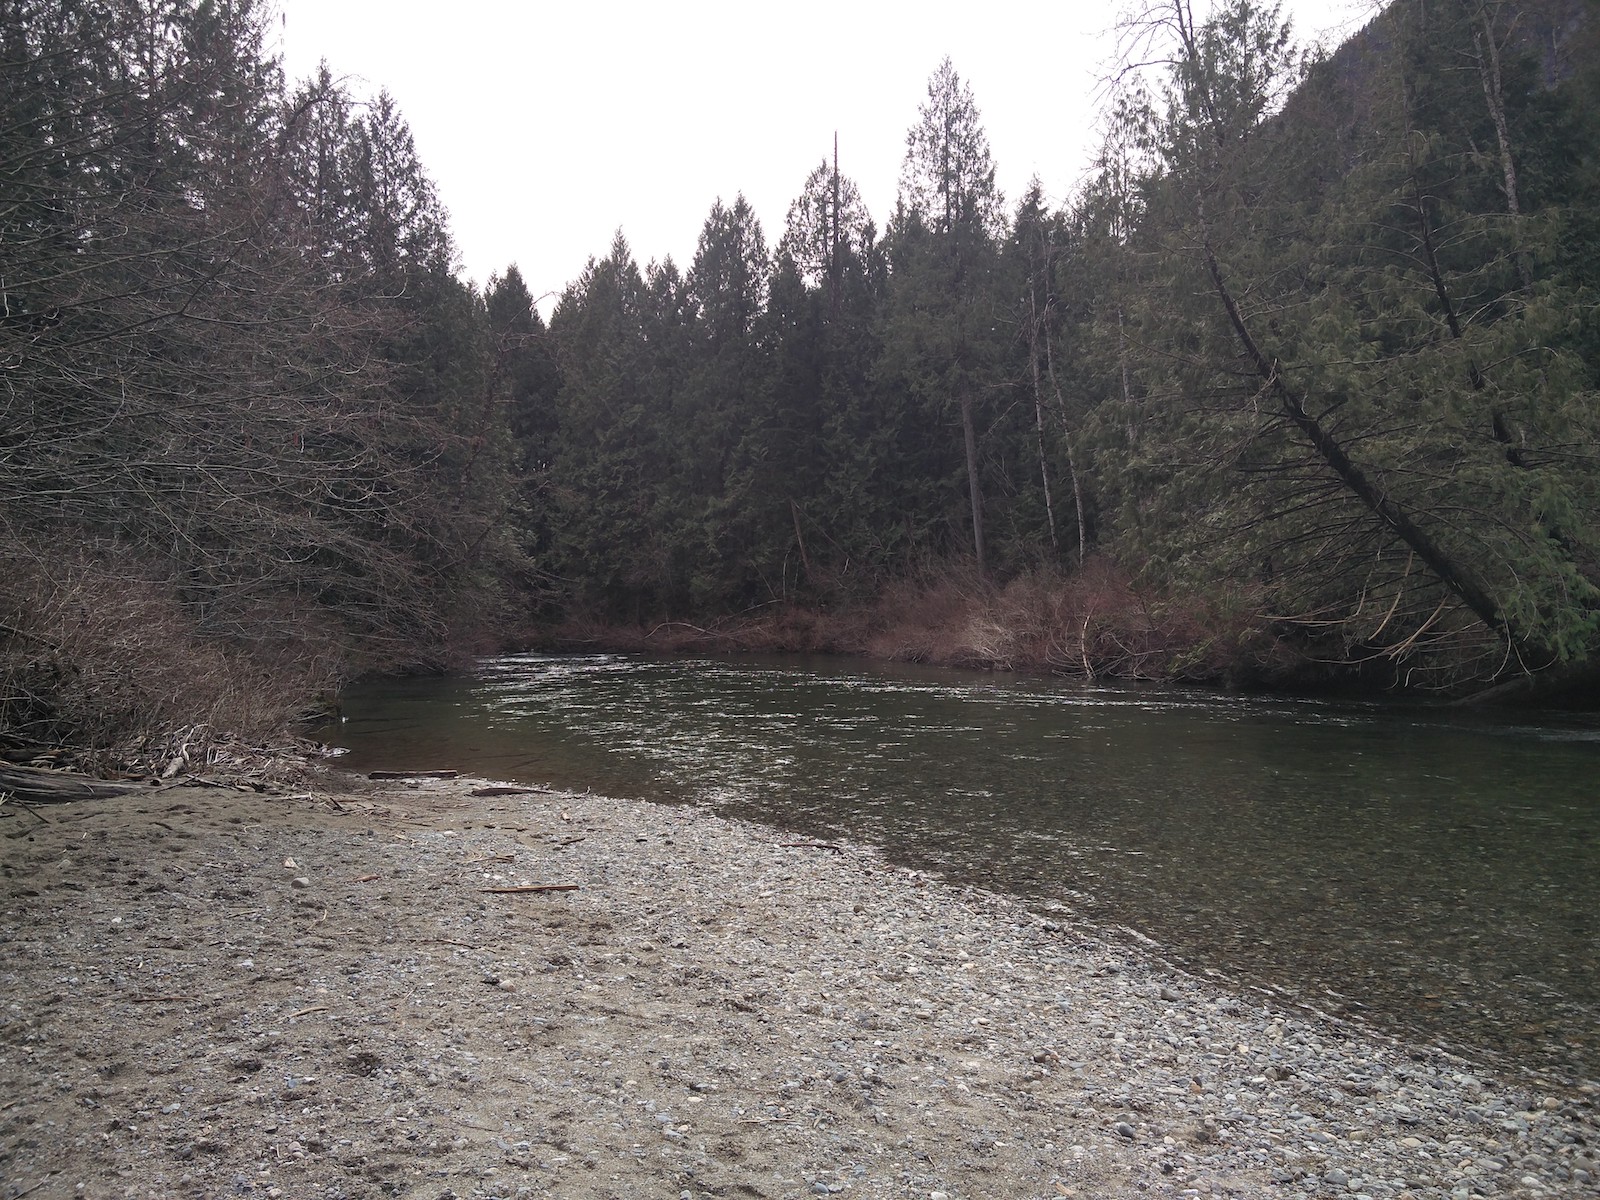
{"points": [[209, 992]]}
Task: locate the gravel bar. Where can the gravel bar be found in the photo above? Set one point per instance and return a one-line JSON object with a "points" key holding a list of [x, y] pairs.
{"points": [[410, 990]]}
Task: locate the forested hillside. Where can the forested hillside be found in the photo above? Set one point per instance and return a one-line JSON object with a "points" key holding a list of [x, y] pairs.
{"points": [[1302, 380]]}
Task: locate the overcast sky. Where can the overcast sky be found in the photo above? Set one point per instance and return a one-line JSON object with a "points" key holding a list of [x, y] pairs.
{"points": [[549, 126]]}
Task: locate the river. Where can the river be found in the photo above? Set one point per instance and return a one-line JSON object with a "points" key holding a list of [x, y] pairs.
{"points": [[1435, 872]]}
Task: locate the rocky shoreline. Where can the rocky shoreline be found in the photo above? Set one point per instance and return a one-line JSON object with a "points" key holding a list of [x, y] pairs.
{"points": [[432, 989]]}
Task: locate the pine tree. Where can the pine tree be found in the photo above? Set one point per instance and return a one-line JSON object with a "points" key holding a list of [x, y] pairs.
{"points": [[609, 457], [941, 334]]}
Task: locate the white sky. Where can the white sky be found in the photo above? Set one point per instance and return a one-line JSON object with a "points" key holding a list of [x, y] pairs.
{"points": [[548, 126]]}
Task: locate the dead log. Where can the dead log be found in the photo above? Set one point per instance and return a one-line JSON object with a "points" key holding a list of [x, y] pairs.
{"points": [[38, 786], [413, 774]]}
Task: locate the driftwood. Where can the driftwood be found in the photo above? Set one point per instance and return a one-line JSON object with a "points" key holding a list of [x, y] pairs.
{"points": [[39, 786], [529, 887], [413, 774]]}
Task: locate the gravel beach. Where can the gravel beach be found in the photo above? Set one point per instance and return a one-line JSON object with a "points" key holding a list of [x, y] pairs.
{"points": [[352, 991]]}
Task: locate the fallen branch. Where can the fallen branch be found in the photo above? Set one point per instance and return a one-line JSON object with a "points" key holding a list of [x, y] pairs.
{"points": [[10, 798], [530, 887], [413, 774], [196, 781], [500, 789]]}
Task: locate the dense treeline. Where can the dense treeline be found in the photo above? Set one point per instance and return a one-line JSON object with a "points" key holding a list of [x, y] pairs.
{"points": [[1306, 372], [251, 436], [1314, 349]]}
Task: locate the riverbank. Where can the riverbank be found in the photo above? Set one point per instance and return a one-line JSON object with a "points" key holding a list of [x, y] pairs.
{"points": [[341, 992], [1094, 623]]}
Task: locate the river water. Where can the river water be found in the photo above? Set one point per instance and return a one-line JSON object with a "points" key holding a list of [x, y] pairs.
{"points": [[1434, 872]]}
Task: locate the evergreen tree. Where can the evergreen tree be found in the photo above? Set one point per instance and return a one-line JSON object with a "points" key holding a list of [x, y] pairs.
{"points": [[524, 369], [832, 442], [728, 539], [609, 457], [941, 335]]}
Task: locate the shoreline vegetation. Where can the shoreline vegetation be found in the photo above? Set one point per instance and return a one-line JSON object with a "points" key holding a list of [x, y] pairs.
{"points": [[420, 986], [1096, 623], [1092, 624], [133, 694]]}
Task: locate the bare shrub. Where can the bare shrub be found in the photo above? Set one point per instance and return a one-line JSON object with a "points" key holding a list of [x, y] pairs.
{"points": [[97, 652], [1097, 622]]}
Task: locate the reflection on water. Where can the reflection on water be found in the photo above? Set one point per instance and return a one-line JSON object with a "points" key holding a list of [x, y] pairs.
{"points": [[1434, 871]]}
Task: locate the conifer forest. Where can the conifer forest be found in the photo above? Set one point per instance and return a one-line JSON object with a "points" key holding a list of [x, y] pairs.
{"points": [[1302, 386]]}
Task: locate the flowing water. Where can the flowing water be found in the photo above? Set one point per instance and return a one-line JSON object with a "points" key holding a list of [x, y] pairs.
{"points": [[1432, 871]]}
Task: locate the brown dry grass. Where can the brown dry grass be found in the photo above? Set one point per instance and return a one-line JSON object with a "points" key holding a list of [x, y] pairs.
{"points": [[1094, 623], [98, 653]]}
